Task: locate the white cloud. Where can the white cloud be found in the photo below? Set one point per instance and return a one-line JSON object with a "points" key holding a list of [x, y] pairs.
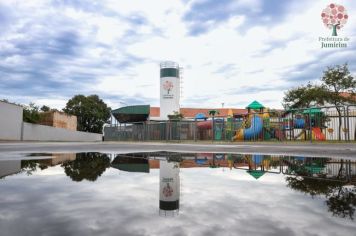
{"points": [[122, 57]]}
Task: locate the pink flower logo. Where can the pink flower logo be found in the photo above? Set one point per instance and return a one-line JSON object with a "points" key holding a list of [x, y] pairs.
{"points": [[167, 191], [334, 16], [168, 85]]}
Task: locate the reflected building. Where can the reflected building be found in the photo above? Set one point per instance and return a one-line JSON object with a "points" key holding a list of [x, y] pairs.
{"points": [[29, 165], [9, 167], [58, 158], [169, 188], [135, 162], [327, 168]]}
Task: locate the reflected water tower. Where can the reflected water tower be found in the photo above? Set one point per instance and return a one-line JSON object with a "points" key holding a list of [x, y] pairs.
{"points": [[170, 82], [169, 188]]}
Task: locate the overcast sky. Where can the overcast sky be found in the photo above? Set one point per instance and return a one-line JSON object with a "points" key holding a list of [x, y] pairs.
{"points": [[233, 52]]}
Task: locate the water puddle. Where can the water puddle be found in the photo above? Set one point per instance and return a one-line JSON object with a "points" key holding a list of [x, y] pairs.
{"points": [[176, 194]]}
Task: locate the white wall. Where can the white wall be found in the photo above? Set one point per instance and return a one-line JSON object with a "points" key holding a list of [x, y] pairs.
{"points": [[34, 132], [13, 129], [334, 124], [10, 121], [9, 167]]}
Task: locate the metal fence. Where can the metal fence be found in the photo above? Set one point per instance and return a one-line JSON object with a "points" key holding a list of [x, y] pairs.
{"points": [[343, 170], [336, 123]]}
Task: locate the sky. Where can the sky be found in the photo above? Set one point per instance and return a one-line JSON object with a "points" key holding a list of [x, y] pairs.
{"points": [[232, 51]]}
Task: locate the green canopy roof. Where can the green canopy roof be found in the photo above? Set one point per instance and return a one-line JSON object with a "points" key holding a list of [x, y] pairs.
{"points": [[256, 173], [255, 105], [127, 114], [131, 163], [315, 169], [132, 167], [312, 111], [138, 109]]}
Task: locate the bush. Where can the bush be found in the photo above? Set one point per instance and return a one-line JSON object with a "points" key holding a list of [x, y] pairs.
{"points": [[31, 113]]}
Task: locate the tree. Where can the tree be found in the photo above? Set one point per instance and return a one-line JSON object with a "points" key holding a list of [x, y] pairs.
{"points": [[176, 116], [31, 113], [336, 80], [213, 113], [45, 108], [92, 113], [334, 17], [305, 96]]}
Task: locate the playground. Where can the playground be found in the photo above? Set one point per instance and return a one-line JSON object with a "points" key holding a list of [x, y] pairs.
{"points": [[261, 124], [258, 123]]}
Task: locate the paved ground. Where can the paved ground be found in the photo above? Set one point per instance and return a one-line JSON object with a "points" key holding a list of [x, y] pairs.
{"points": [[344, 150]]}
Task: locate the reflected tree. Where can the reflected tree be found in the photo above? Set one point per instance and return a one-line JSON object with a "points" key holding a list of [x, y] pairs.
{"points": [[30, 166], [342, 203], [312, 186], [87, 166], [340, 199]]}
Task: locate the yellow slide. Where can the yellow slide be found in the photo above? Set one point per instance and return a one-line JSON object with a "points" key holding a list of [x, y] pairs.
{"points": [[240, 132]]}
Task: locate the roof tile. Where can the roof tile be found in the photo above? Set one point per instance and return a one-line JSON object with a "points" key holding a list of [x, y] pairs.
{"points": [[191, 112]]}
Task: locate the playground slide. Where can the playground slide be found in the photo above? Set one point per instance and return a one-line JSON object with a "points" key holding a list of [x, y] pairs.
{"points": [[257, 159], [317, 134], [205, 124], [301, 133], [253, 131], [299, 123]]}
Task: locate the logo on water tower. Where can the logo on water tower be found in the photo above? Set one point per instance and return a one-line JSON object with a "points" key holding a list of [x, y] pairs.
{"points": [[168, 86], [167, 190], [334, 17]]}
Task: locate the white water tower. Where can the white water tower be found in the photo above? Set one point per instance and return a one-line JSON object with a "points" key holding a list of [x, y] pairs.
{"points": [[169, 188], [169, 89]]}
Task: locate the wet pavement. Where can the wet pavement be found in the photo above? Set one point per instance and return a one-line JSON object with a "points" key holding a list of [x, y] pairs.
{"points": [[345, 150]]}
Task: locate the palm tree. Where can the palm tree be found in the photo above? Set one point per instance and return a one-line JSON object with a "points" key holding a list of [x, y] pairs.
{"points": [[213, 113]]}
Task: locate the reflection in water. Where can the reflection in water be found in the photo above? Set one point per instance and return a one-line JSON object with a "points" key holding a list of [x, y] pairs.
{"points": [[340, 198], [169, 188], [88, 166], [9, 167], [342, 202], [169, 185], [332, 179], [30, 166], [135, 162]]}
